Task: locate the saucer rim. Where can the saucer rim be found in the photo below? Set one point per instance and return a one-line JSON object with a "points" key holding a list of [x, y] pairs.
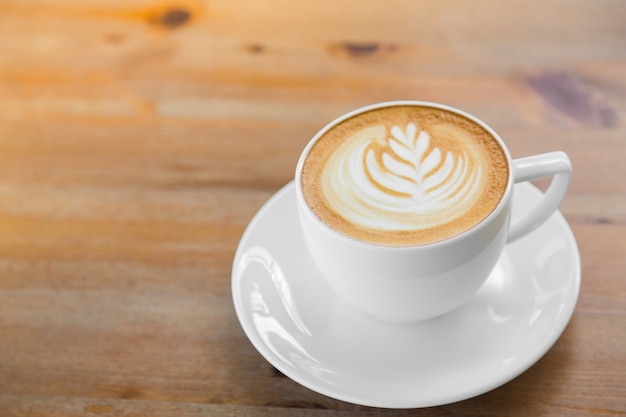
{"points": [[459, 395]]}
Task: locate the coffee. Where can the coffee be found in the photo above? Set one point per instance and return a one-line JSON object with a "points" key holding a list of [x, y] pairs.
{"points": [[404, 175]]}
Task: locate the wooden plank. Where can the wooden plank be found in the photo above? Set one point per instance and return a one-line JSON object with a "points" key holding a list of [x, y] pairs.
{"points": [[13, 405], [246, 74], [432, 21]]}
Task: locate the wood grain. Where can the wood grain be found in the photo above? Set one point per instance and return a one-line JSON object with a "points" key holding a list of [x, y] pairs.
{"points": [[138, 139]]}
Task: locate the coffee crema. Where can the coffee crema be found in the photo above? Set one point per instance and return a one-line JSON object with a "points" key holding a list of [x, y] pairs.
{"points": [[404, 175]]}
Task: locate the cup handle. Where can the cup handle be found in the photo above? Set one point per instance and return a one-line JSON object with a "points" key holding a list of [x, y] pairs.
{"points": [[556, 164]]}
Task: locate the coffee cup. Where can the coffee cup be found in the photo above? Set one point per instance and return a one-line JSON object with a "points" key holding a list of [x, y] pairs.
{"points": [[405, 206]]}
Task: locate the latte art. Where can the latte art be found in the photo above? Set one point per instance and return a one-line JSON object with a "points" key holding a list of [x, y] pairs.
{"points": [[404, 175], [398, 181]]}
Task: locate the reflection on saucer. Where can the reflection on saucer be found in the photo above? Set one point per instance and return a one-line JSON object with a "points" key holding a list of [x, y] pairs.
{"points": [[261, 256], [273, 332]]}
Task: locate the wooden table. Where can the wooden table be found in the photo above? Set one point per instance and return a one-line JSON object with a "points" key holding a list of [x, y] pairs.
{"points": [[138, 138]]}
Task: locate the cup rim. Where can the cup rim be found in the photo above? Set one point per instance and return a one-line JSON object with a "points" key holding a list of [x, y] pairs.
{"points": [[472, 230]]}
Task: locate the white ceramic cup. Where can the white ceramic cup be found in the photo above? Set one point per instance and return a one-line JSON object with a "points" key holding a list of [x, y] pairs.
{"points": [[404, 284]]}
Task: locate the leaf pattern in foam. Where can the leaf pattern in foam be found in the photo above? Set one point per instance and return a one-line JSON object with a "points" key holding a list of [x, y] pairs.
{"points": [[409, 167], [399, 179]]}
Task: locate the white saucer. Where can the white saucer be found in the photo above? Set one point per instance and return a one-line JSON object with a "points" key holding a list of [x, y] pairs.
{"points": [[299, 325]]}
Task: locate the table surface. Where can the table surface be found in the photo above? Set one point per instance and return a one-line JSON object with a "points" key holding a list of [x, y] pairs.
{"points": [[139, 138]]}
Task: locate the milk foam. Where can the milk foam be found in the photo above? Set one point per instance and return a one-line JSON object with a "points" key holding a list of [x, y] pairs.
{"points": [[404, 175], [398, 180]]}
